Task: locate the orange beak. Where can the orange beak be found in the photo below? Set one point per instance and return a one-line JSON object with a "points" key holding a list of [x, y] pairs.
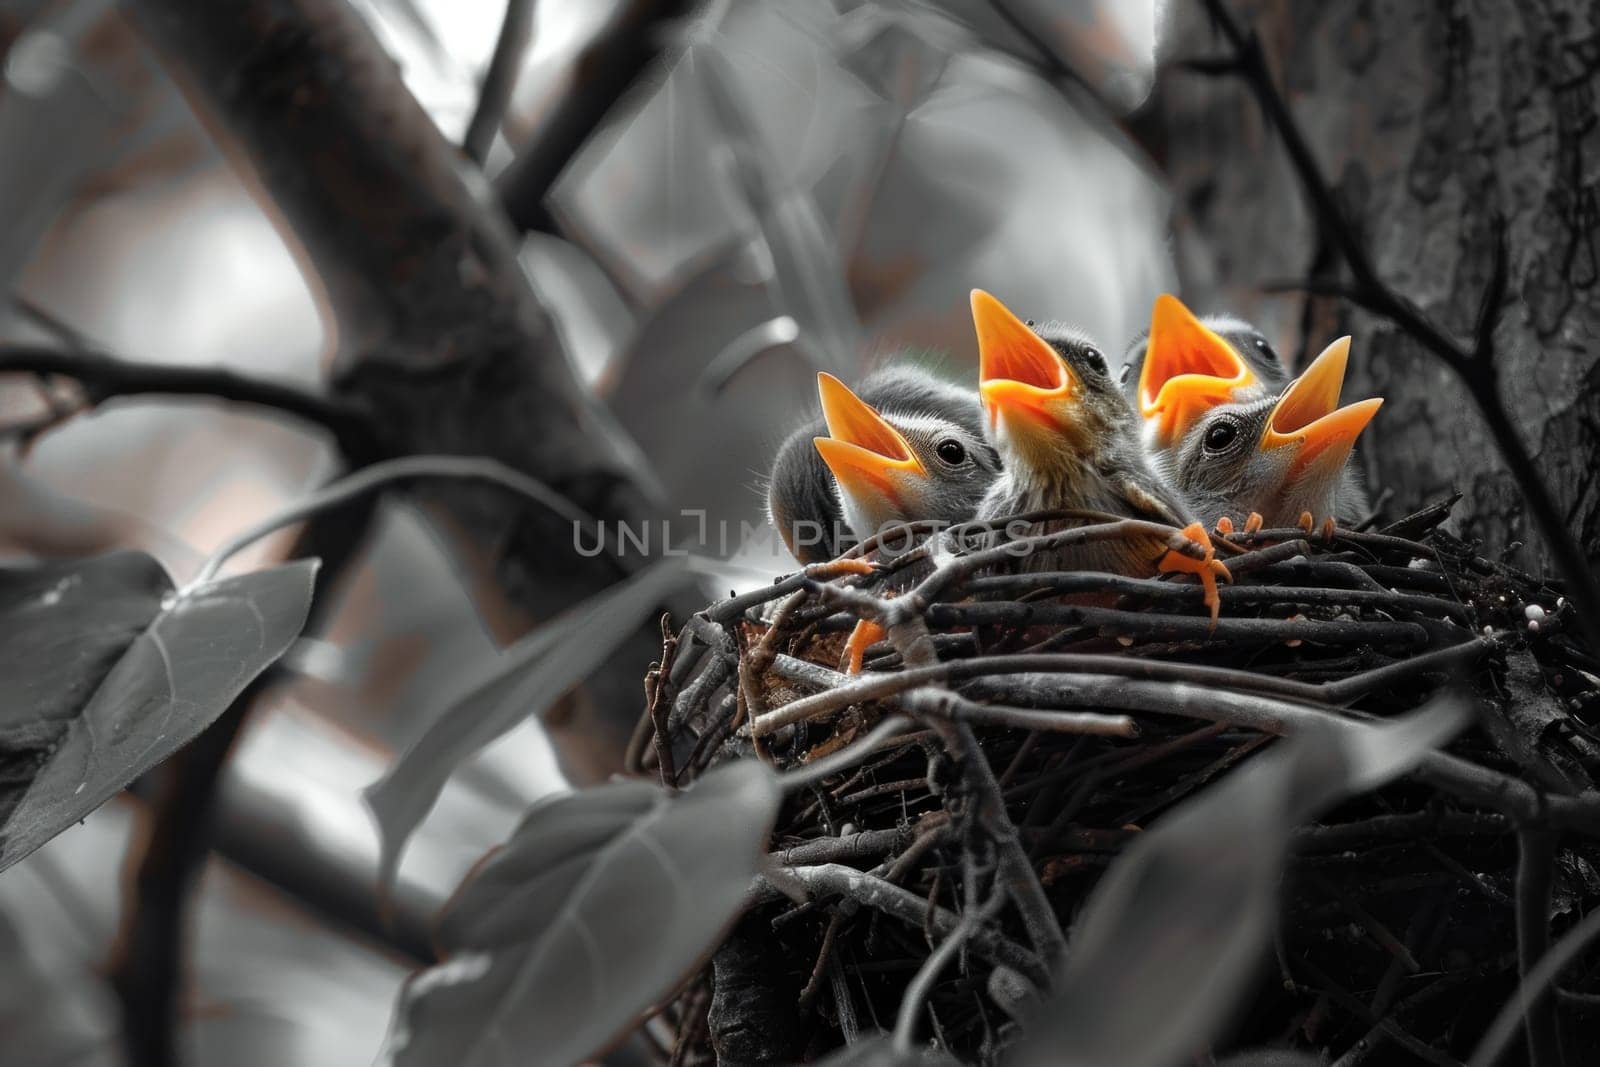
{"points": [[1308, 413], [1188, 370], [867, 455], [1018, 371]]}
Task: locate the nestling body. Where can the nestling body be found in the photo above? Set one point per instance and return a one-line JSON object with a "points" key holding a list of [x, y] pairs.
{"points": [[910, 446], [1206, 386], [1067, 439], [1279, 456]]}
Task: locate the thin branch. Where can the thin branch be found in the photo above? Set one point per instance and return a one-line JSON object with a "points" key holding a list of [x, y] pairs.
{"points": [[500, 80], [105, 377], [630, 43], [921, 986], [378, 476], [880, 894], [1535, 869], [1504, 1028], [829, 765], [941, 702], [910, 636], [1475, 365]]}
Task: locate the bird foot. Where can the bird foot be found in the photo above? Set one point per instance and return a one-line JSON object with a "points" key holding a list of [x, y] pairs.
{"points": [[836, 567], [864, 636], [1205, 566]]}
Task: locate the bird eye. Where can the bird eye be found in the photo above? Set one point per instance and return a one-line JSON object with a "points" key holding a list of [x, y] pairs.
{"points": [[1093, 357], [1266, 349], [951, 451], [1220, 434]]}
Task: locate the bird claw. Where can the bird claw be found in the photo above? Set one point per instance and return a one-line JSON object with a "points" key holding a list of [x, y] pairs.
{"points": [[1327, 528], [1307, 523], [1206, 566], [1224, 526], [1253, 523], [864, 636]]}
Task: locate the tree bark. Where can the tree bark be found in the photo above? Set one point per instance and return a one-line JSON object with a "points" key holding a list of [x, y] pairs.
{"points": [[1430, 120]]}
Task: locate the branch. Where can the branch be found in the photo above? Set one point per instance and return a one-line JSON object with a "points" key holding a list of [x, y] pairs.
{"points": [[632, 40], [105, 377], [500, 80], [1535, 869], [438, 330], [1474, 365], [1504, 1028]]}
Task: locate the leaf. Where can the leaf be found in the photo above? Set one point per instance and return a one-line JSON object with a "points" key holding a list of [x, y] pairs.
{"points": [[526, 680], [1171, 934], [596, 909], [106, 671]]}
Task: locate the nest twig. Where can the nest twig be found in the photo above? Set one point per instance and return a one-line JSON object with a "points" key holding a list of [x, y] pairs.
{"points": [[1014, 731]]}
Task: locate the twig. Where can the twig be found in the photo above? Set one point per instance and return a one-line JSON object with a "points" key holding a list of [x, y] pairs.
{"points": [[1508, 1021], [630, 42], [499, 80], [379, 475], [1450, 773], [105, 377], [1348, 836], [1536, 857], [1473, 364], [940, 702], [824, 957], [838, 692], [911, 637], [917, 993], [880, 894], [832, 764]]}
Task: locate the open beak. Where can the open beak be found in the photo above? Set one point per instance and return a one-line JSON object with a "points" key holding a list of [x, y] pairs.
{"points": [[1308, 414], [869, 457], [1018, 372], [1188, 370]]}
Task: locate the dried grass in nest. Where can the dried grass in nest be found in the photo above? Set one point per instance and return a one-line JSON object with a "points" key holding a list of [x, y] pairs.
{"points": [[1098, 704]]}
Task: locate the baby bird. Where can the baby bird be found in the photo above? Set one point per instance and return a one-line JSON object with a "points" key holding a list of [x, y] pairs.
{"points": [[1185, 366], [1278, 456], [1068, 439], [910, 447]]}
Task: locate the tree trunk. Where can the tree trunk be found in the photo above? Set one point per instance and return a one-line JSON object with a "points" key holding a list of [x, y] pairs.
{"points": [[1430, 120]]}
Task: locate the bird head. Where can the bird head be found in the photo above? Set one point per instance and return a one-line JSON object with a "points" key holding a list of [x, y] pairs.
{"points": [[1188, 369], [1279, 456], [892, 467], [1048, 401]]}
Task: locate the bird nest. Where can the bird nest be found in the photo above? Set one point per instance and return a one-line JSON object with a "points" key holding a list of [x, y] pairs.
{"points": [[1085, 706]]}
